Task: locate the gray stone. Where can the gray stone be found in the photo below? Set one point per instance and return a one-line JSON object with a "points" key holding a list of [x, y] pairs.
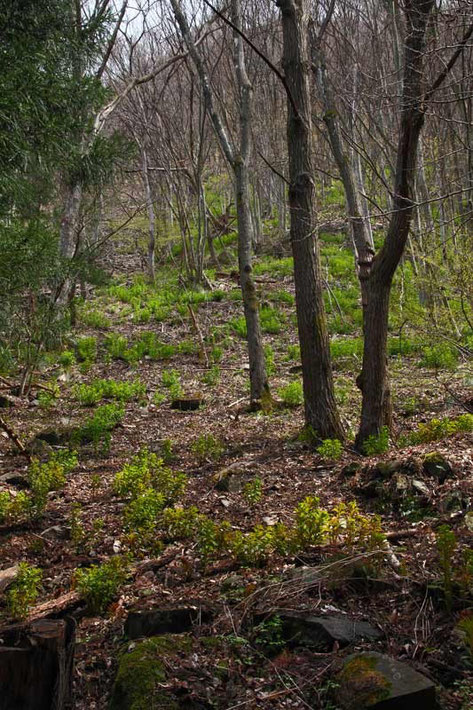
{"points": [[232, 479], [379, 682], [176, 620], [14, 479], [322, 632], [436, 466]]}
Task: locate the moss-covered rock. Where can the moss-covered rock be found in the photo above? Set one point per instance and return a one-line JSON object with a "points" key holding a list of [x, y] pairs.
{"points": [[436, 466], [374, 680], [141, 672]]}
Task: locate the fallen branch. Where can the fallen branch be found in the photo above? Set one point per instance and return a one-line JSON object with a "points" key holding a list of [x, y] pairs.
{"points": [[14, 437]]}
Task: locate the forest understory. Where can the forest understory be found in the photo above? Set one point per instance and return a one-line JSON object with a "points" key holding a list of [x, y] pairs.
{"points": [[247, 471]]}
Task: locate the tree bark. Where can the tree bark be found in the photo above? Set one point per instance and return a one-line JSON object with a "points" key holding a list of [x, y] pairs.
{"points": [[320, 407], [238, 158], [373, 380]]}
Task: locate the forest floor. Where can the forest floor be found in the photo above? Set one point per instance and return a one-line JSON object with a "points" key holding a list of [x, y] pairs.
{"points": [[248, 665]]}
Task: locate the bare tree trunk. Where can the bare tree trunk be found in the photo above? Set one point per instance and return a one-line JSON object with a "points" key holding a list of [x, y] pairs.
{"points": [[374, 381], [238, 158], [69, 221], [151, 218], [320, 407]]}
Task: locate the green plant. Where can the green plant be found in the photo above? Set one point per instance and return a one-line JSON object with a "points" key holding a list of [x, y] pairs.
{"points": [[269, 634], [171, 379], [94, 319], [87, 349], [49, 476], [439, 357], [207, 448], [212, 376], [141, 514], [97, 429], [292, 394], [146, 470], [117, 346], [180, 523], [269, 360], [100, 584], [14, 508], [24, 590], [271, 320], [330, 449], [67, 359], [47, 398], [311, 522], [252, 548], [90, 394], [439, 428], [253, 490], [293, 353], [377, 443]]}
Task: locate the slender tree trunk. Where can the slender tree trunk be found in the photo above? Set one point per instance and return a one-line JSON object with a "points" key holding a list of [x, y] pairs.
{"points": [[373, 381], [320, 407], [69, 221], [151, 219], [238, 158]]}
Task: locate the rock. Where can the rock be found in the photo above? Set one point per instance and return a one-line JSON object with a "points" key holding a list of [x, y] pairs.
{"points": [[176, 620], [233, 582], [351, 469], [322, 632], [379, 682], [55, 436], [187, 404], [142, 671], [6, 402], [421, 487], [14, 479], [7, 576], [232, 479], [436, 466]]}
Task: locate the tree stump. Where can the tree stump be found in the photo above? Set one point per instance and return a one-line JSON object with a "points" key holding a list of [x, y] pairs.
{"points": [[36, 664]]}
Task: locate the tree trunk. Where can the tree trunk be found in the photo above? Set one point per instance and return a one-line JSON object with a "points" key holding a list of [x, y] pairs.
{"points": [[36, 663], [69, 221], [259, 387], [375, 412], [320, 407], [151, 219]]}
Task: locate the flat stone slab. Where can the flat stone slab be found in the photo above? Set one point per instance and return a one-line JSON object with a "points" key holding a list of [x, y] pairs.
{"points": [[379, 682], [323, 632], [176, 620]]}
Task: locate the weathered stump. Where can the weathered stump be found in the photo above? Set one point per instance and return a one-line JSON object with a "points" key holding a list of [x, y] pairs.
{"points": [[36, 664]]}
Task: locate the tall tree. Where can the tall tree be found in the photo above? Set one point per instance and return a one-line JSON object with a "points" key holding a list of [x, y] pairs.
{"points": [[320, 407], [237, 155]]}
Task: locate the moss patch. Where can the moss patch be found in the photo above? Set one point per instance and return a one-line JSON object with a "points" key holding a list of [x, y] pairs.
{"points": [[142, 670], [361, 685]]}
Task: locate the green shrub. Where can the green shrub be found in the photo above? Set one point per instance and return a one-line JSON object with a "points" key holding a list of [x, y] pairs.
{"points": [[330, 449], [293, 353], [292, 394], [238, 325], [14, 508], [253, 490], [311, 522], [269, 360], [171, 379], [90, 394], [142, 513], [94, 319], [180, 523], [146, 470], [87, 349], [440, 357], [100, 585], [439, 428], [212, 376], [377, 443], [117, 346], [24, 590], [97, 429], [271, 321], [49, 476], [207, 448], [67, 359]]}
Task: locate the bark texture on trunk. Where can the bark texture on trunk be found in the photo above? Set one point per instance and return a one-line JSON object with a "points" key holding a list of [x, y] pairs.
{"points": [[373, 380], [320, 407], [238, 158]]}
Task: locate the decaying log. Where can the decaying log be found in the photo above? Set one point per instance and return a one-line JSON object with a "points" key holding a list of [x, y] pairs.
{"points": [[36, 665]]}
